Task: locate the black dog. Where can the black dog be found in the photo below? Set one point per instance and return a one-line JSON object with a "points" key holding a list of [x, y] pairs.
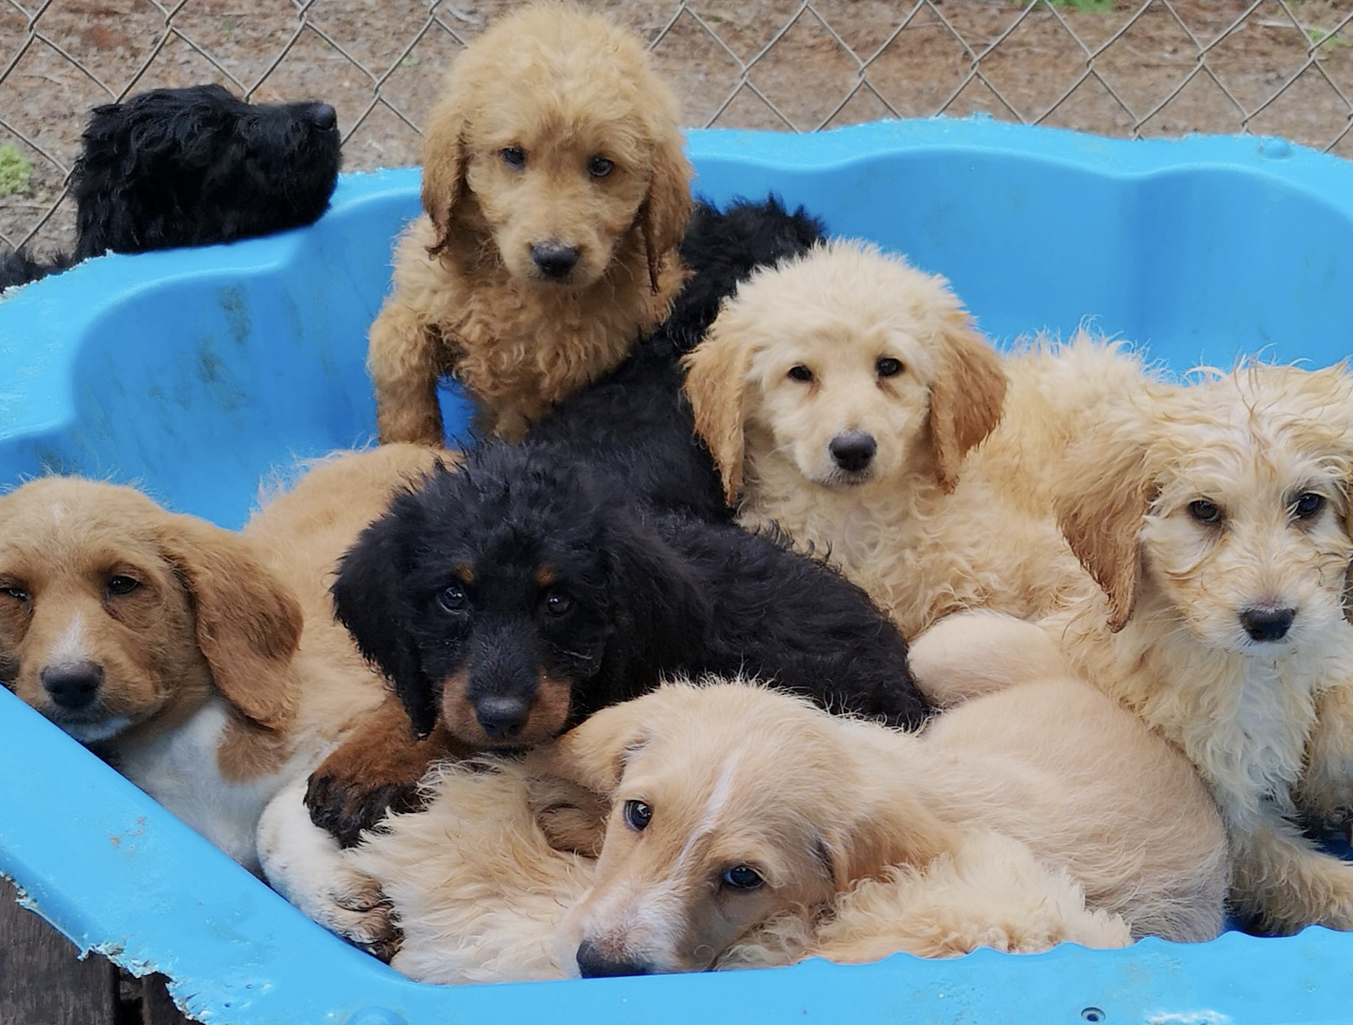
{"points": [[510, 598], [194, 167], [637, 416]]}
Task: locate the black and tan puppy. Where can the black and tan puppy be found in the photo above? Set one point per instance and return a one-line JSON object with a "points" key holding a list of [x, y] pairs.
{"points": [[508, 600]]}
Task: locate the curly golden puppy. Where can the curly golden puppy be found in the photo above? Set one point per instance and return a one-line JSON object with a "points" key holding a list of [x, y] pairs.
{"points": [[842, 393], [1217, 519], [555, 193], [736, 825]]}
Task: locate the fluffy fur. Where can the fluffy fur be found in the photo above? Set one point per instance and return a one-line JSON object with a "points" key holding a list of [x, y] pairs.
{"points": [[555, 192], [739, 826], [1216, 518], [636, 418], [511, 599], [204, 664], [192, 167], [849, 402]]}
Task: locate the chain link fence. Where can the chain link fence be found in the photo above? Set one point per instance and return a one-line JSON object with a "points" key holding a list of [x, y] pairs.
{"points": [[1116, 67]]}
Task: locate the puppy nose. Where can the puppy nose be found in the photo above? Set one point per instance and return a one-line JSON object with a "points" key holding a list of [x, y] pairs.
{"points": [[554, 258], [1267, 624], [593, 963], [72, 684], [323, 116], [852, 450], [502, 717]]}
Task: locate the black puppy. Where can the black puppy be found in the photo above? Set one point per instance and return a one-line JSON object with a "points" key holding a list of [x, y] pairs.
{"points": [[197, 166], [193, 167], [637, 417], [510, 598]]}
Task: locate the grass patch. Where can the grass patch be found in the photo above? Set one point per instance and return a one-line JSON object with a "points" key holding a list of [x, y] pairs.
{"points": [[14, 171]]}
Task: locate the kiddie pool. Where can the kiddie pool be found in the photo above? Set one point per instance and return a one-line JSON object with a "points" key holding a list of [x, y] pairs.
{"points": [[193, 373]]}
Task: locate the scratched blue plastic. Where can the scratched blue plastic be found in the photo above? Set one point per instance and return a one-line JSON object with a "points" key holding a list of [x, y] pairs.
{"points": [[194, 373]]}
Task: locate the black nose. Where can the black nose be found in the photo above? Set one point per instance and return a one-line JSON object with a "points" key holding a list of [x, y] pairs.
{"points": [[323, 116], [593, 964], [554, 258], [502, 717], [853, 450], [1264, 624], [72, 684]]}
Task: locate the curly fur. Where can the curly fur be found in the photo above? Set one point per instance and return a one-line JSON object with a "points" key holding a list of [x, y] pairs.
{"points": [[942, 509], [197, 166], [637, 415], [1225, 624], [1017, 821], [192, 167], [511, 599], [534, 269]]}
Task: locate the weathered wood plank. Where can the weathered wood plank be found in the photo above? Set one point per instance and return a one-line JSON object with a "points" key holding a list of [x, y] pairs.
{"points": [[42, 981]]}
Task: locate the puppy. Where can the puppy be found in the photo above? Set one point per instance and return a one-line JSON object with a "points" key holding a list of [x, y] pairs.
{"points": [[846, 397], [204, 664], [511, 599], [1216, 519], [747, 828], [192, 167], [197, 166], [555, 192]]}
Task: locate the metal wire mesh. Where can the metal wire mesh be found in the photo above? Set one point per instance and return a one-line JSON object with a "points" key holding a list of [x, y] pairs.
{"points": [[1117, 67]]}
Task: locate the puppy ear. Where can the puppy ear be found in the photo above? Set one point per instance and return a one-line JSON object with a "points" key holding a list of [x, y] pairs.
{"points": [[592, 755], [716, 387], [1101, 499], [247, 620], [444, 162], [905, 832], [967, 398], [667, 206], [368, 600]]}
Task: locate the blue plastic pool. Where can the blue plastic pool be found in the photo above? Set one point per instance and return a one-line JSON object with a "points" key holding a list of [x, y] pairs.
{"points": [[192, 373]]}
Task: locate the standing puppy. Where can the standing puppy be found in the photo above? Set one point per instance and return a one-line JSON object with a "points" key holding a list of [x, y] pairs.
{"points": [[555, 193]]}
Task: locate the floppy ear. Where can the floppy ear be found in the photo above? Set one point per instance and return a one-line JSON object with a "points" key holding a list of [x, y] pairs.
{"points": [[967, 397], [444, 162], [1101, 499], [904, 832], [667, 206], [248, 621], [592, 754], [716, 387], [368, 600]]}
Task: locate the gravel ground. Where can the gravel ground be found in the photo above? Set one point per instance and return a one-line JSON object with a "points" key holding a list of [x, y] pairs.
{"points": [[1159, 68]]}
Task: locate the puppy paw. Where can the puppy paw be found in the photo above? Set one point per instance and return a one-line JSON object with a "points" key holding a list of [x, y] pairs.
{"points": [[363, 916], [344, 809]]}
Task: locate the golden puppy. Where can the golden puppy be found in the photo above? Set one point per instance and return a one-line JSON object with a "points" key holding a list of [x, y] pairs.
{"points": [[845, 397], [1217, 520], [747, 827], [555, 193], [204, 664]]}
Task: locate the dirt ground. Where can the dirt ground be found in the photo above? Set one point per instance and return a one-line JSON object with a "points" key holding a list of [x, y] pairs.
{"points": [[1147, 67]]}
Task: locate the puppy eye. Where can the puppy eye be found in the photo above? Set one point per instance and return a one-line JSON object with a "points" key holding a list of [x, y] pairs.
{"points": [[14, 591], [1308, 505], [454, 599], [742, 877], [888, 367], [513, 156], [600, 167], [638, 815], [800, 373], [558, 603], [1205, 512], [120, 584]]}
